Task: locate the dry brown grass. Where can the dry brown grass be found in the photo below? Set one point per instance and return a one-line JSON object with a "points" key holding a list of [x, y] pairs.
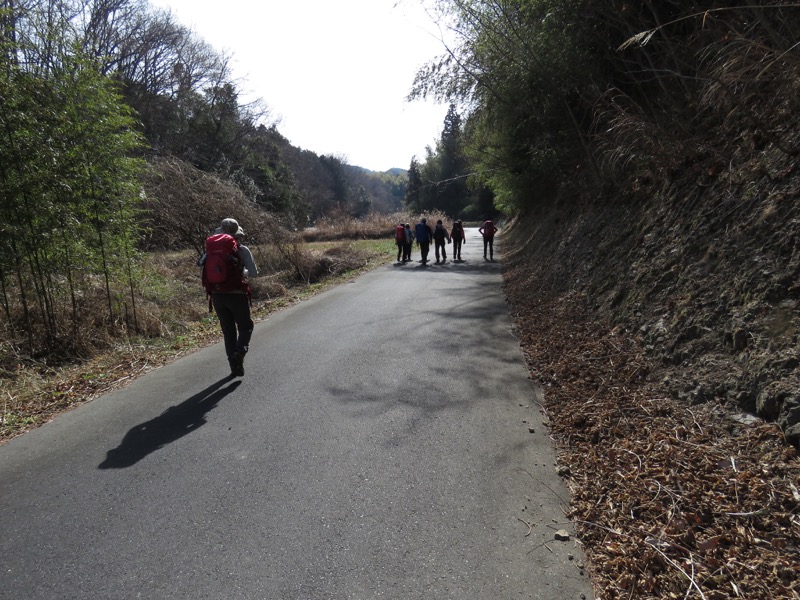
{"points": [[373, 227], [669, 500], [166, 313], [173, 320]]}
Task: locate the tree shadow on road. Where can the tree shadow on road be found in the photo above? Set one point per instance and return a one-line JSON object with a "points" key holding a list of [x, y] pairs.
{"points": [[171, 425]]}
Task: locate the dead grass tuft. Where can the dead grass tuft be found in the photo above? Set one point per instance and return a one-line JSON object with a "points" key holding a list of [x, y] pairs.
{"points": [[373, 227]]}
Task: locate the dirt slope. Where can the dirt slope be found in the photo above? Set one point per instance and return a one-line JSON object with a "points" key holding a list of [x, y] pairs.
{"points": [[655, 320]]}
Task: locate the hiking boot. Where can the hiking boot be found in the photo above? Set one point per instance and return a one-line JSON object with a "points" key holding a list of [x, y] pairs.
{"points": [[237, 364]]}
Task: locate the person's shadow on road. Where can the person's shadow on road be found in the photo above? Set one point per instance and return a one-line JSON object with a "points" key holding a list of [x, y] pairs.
{"points": [[172, 424]]}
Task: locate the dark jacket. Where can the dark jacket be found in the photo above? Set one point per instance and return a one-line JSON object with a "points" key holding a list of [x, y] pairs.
{"points": [[423, 233], [440, 234]]}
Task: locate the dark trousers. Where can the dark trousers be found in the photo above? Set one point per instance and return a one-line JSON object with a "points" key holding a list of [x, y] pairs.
{"points": [[424, 248], [457, 249], [440, 245], [233, 311], [488, 243], [399, 249], [407, 251]]}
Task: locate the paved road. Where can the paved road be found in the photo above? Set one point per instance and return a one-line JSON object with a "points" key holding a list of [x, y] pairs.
{"points": [[378, 447]]}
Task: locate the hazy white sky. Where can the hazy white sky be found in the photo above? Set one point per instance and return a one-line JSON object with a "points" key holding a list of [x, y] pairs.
{"points": [[336, 72]]}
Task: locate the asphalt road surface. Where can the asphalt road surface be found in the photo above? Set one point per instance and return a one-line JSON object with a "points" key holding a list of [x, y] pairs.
{"points": [[379, 446]]}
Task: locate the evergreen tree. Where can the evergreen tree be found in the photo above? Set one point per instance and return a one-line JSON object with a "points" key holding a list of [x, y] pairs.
{"points": [[413, 197], [452, 194]]}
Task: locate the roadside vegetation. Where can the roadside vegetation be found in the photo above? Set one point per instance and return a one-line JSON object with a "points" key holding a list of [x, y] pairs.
{"points": [[123, 145], [173, 320], [172, 317]]}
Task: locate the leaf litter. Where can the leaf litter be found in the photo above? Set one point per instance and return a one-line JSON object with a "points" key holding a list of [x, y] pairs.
{"points": [[669, 500]]}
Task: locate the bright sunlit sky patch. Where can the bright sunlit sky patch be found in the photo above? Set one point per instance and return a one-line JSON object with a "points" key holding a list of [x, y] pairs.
{"points": [[336, 72]]}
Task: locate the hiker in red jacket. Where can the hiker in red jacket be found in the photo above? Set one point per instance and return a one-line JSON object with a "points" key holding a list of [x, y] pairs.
{"points": [[487, 230], [400, 239]]}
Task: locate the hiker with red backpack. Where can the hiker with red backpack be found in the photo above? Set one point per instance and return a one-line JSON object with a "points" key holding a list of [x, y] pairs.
{"points": [[458, 237], [400, 239], [226, 266], [487, 230]]}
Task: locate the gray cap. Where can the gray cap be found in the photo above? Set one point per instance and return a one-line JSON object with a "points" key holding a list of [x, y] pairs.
{"points": [[231, 227]]}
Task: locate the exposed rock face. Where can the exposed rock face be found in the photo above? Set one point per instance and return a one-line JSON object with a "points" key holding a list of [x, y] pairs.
{"points": [[706, 271]]}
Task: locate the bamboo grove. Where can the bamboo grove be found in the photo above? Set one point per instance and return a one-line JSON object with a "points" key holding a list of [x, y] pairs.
{"points": [[610, 92], [68, 177]]}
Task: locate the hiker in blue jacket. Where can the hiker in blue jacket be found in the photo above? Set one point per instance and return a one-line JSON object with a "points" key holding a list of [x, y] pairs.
{"points": [[424, 235], [409, 242]]}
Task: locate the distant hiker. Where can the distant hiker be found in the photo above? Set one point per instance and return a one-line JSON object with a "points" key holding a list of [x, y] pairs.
{"points": [[424, 235], [400, 239], [408, 242], [487, 230], [439, 236], [458, 237], [226, 266]]}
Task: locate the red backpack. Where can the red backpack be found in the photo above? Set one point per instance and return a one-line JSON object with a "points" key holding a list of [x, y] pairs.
{"points": [[222, 270], [400, 233]]}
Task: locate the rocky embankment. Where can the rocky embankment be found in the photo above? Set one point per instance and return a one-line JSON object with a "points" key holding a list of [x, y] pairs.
{"points": [[662, 326], [705, 270]]}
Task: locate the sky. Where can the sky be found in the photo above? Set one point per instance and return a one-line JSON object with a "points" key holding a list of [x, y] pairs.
{"points": [[335, 72]]}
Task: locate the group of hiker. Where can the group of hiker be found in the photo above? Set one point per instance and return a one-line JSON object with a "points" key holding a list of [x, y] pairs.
{"points": [[424, 235], [227, 264]]}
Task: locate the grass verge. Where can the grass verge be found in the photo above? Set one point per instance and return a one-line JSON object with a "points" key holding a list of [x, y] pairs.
{"points": [[178, 324]]}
